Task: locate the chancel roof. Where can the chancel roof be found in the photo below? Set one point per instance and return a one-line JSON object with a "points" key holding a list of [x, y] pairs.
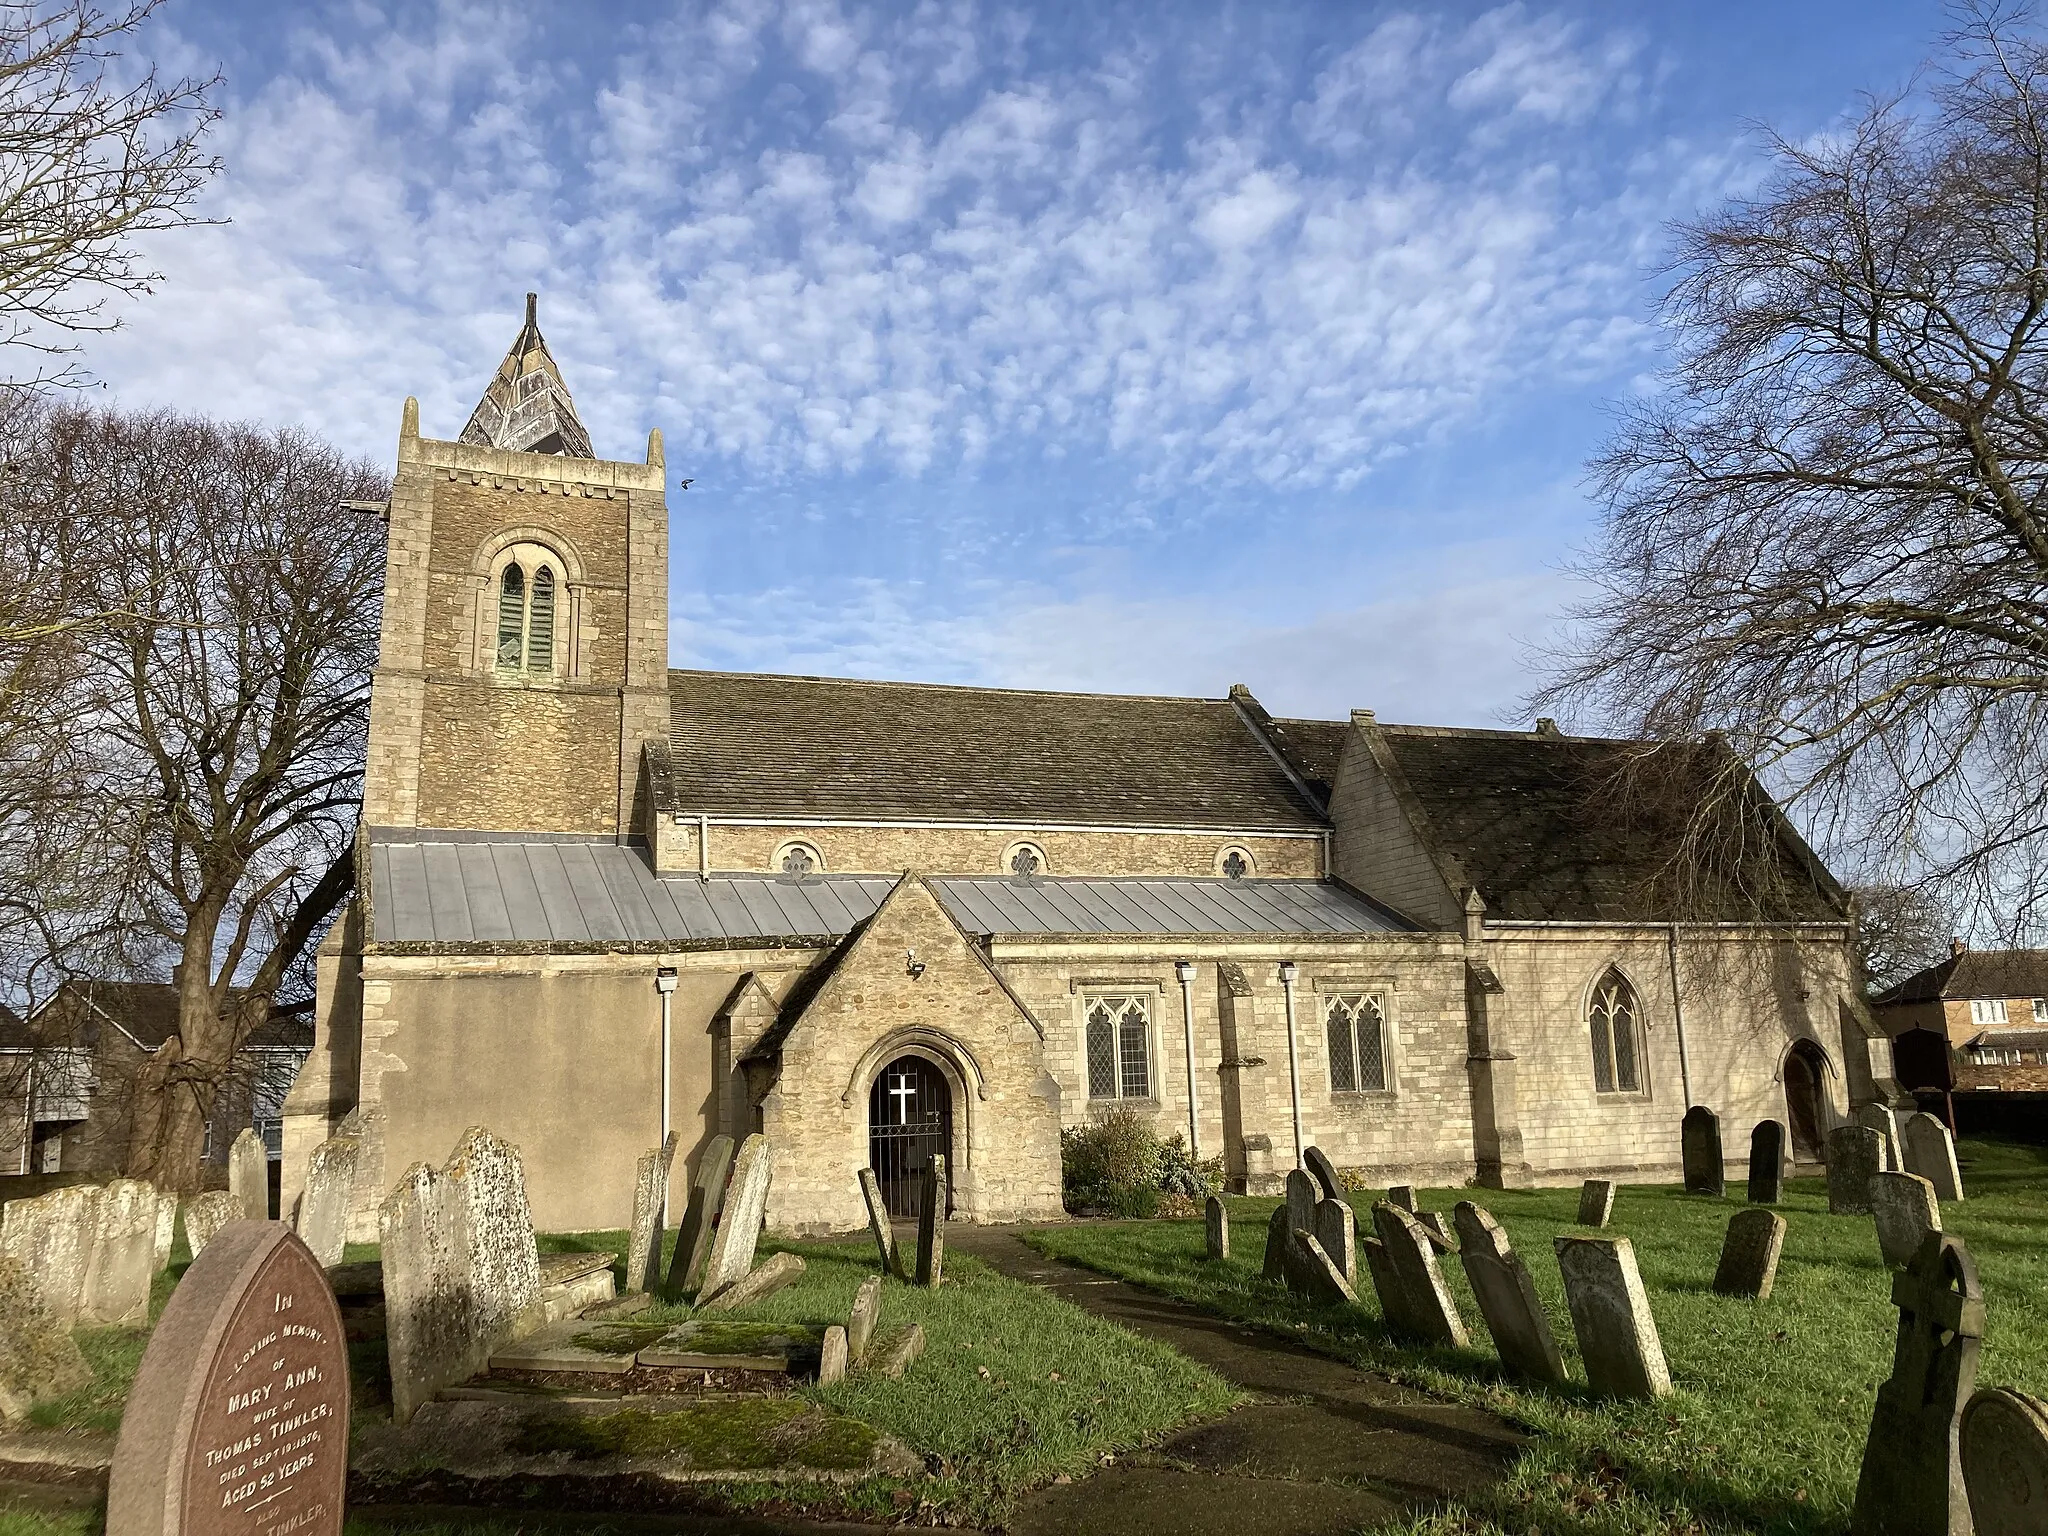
{"points": [[744, 744], [527, 408]]}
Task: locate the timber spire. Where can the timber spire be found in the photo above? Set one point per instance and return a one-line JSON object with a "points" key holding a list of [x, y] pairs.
{"points": [[527, 408]]}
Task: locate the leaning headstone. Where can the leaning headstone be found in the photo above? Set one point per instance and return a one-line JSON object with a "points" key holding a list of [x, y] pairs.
{"points": [[249, 1175], [832, 1358], [1881, 1119], [1749, 1254], [1855, 1155], [1767, 1162], [1337, 1231], [1216, 1228], [1424, 1301], [1386, 1285], [931, 1223], [895, 1357], [1402, 1195], [650, 1215], [1329, 1186], [781, 1270], [329, 1193], [166, 1229], [1596, 1202], [53, 1236], [1912, 1478], [237, 1424], [37, 1356], [1439, 1231], [1611, 1317], [1302, 1195], [1905, 1210], [1313, 1274], [123, 1262], [1930, 1151], [739, 1230], [2005, 1462], [707, 1199], [867, 1311], [878, 1222], [206, 1215], [1700, 1147], [1277, 1229], [1507, 1297]]}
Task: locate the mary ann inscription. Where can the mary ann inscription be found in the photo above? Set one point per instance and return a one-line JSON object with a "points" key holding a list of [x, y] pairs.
{"points": [[238, 1424]]}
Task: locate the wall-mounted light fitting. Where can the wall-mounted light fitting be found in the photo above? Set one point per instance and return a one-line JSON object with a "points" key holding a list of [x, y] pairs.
{"points": [[912, 966]]}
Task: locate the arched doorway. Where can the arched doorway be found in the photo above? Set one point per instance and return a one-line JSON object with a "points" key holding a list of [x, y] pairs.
{"points": [[910, 1118], [1805, 1100]]}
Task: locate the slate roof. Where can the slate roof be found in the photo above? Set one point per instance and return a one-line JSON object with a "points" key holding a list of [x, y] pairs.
{"points": [[147, 1011], [744, 744], [1535, 820], [526, 407], [443, 888], [2004, 973]]}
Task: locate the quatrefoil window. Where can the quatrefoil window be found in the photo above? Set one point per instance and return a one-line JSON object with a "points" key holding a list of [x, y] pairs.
{"points": [[1024, 861]]}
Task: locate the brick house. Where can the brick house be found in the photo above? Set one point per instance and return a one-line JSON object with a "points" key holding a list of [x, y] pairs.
{"points": [[1971, 1036], [880, 920]]}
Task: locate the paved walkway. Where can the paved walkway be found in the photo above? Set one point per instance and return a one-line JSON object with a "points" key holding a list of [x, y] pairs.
{"points": [[1321, 1448]]}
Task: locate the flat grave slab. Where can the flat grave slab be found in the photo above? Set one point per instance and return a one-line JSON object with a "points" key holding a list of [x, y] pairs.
{"points": [[728, 1346], [573, 1345]]}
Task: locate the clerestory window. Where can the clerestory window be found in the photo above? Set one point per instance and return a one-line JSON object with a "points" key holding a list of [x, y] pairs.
{"points": [[1356, 1029], [1119, 1048], [526, 619], [1615, 1017]]}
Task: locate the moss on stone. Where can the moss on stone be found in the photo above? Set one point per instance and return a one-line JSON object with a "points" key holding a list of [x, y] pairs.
{"points": [[747, 1434], [617, 1338]]}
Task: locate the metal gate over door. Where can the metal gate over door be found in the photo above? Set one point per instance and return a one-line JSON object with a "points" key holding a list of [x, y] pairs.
{"points": [[910, 1117]]}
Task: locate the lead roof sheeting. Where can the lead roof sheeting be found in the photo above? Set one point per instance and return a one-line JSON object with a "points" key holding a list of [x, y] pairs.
{"points": [[996, 905]]}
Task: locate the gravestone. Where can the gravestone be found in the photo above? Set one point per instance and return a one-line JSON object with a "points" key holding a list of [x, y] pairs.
{"points": [[1329, 1186], [1403, 1197], [1855, 1156], [739, 1229], [650, 1215], [206, 1215], [1438, 1231], [37, 1356], [1216, 1228], [1302, 1195], [867, 1311], [1611, 1317], [894, 1358], [1313, 1274], [238, 1421], [1930, 1151], [123, 1262], [1906, 1210], [1386, 1285], [503, 1258], [1596, 1202], [781, 1270], [931, 1223], [1424, 1301], [53, 1235], [878, 1222], [330, 1193], [1275, 1266], [1881, 1119], [707, 1200], [1507, 1297], [249, 1175], [1912, 1478], [1699, 1139], [166, 1229], [2005, 1462], [1767, 1162], [1749, 1254], [832, 1357], [1337, 1232]]}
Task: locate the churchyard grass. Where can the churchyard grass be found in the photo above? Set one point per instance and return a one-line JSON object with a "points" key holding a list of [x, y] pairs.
{"points": [[1766, 1428]]}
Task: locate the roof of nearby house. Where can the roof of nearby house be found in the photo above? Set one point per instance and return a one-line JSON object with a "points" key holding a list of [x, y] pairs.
{"points": [[147, 1012], [745, 744], [2000, 973], [2007, 1040], [14, 1034]]}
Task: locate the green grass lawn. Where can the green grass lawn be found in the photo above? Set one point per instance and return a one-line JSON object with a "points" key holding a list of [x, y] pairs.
{"points": [[1766, 1429]]}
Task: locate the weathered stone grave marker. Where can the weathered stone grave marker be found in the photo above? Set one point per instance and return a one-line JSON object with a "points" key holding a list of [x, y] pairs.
{"points": [[1216, 1228], [1507, 1296], [867, 1311], [238, 1421], [1277, 1232], [878, 1222], [38, 1358], [329, 1195], [1930, 1151], [1423, 1300], [166, 1229], [249, 1175], [1302, 1195], [123, 1261], [1912, 1478], [1386, 1285], [2005, 1462], [782, 1269], [1596, 1202], [1402, 1196], [1329, 1185], [53, 1236], [1312, 1273], [1767, 1162], [1337, 1231], [1855, 1155], [1749, 1254], [1699, 1138], [206, 1215], [931, 1223], [832, 1356], [1881, 1119], [739, 1229], [1611, 1317], [700, 1219], [650, 1215], [1906, 1210]]}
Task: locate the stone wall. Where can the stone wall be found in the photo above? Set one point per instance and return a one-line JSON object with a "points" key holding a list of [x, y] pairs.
{"points": [[1375, 846]]}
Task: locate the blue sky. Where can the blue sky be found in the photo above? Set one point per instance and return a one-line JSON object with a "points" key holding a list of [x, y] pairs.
{"points": [[1138, 348]]}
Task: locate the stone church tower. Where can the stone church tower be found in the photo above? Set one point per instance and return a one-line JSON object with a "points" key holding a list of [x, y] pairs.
{"points": [[523, 662]]}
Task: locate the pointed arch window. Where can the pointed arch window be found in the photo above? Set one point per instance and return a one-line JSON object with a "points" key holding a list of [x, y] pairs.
{"points": [[1356, 1028], [1615, 1017], [528, 587], [1119, 1048]]}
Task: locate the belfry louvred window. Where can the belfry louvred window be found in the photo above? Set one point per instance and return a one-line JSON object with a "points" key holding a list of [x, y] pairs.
{"points": [[1614, 1015], [1119, 1048], [526, 620]]}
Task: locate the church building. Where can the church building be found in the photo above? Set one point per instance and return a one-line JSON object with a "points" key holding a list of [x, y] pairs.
{"points": [[599, 898]]}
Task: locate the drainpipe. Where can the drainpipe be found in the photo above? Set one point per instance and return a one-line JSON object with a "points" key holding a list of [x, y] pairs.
{"points": [[665, 984], [1289, 973], [1678, 1015], [703, 846], [1185, 970]]}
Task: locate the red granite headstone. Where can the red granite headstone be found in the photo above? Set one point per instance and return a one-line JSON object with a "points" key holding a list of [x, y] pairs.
{"points": [[238, 1422]]}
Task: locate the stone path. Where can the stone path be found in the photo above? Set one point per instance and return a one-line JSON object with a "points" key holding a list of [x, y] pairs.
{"points": [[1322, 1448]]}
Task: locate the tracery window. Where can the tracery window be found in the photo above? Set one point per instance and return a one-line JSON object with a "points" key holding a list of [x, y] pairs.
{"points": [[1615, 1018], [1235, 864], [526, 619], [1355, 1026], [1119, 1048], [798, 859], [1025, 860]]}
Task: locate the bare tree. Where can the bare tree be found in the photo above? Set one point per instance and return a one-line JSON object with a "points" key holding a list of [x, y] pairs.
{"points": [[88, 162], [219, 701], [1826, 538], [1899, 930]]}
